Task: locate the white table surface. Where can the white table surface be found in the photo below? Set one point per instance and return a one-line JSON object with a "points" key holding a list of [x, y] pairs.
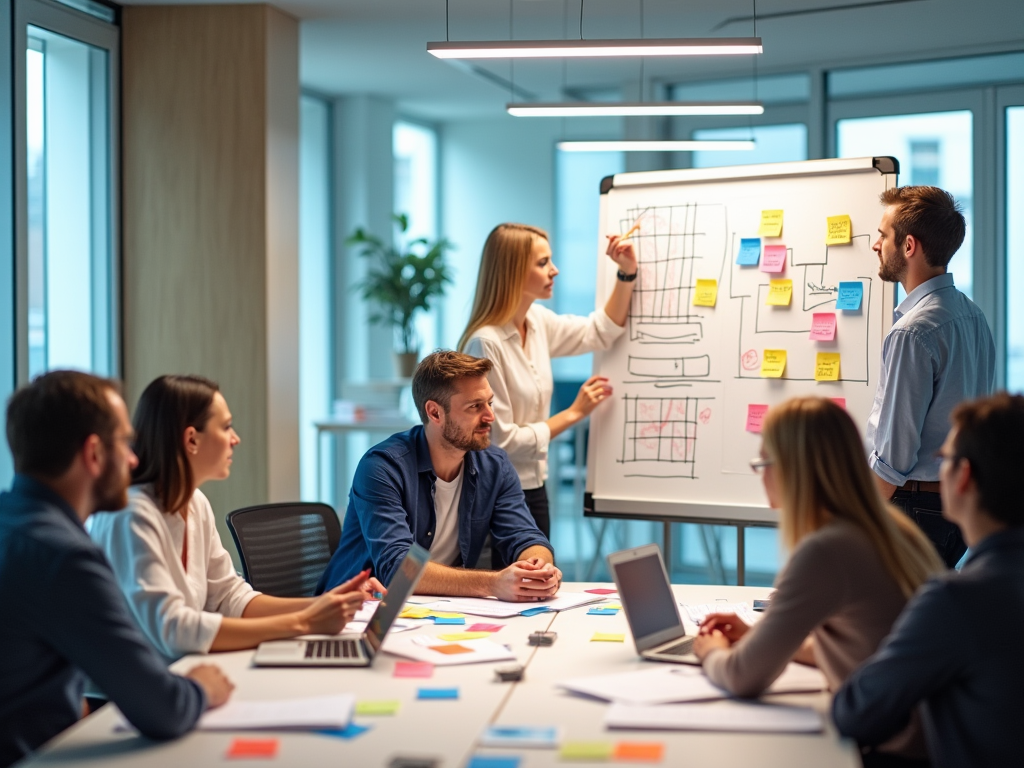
{"points": [[447, 730]]}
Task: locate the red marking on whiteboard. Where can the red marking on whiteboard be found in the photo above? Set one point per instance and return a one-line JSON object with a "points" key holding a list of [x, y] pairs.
{"points": [[750, 360]]}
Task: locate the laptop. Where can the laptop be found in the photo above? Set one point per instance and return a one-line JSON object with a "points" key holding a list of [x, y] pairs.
{"points": [[349, 650], [651, 608]]}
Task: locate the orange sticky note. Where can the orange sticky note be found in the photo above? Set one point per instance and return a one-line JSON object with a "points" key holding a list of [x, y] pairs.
{"points": [[247, 749], [640, 751], [451, 649]]}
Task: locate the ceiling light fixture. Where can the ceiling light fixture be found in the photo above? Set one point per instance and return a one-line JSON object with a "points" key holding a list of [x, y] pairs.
{"points": [[654, 146], [539, 49], [633, 109]]}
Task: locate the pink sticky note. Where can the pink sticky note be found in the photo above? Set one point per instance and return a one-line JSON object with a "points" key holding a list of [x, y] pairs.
{"points": [[601, 591], [755, 417], [414, 669], [840, 401], [774, 258], [484, 627], [823, 326]]}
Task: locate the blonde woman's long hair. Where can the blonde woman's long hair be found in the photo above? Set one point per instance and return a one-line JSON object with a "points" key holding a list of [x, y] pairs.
{"points": [[822, 473], [499, 285]]}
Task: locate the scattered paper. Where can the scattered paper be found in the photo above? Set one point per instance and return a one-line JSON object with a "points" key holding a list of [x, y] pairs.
{"points": [[640, 752], [774, 258], [500, 609], [850, 295], [521, 737], [249, 749], [750, 252], [736, 716], [840, 230], [309, 713], [823, 326], [601, 591], [589, 751], [773, 363], [378, 708], [446, 694], [457, 636], [771, 224], [706, 293], [427, 648], [826, 366], [698, 612], [414, 669], [755, 417], [607, 637], [780, 292]]}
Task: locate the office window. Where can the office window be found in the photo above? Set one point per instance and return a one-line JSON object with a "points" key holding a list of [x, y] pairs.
{"points": [[934, 149], [773, 144], [70, 255], [917, 76], [1014, 249], [793, 88]]}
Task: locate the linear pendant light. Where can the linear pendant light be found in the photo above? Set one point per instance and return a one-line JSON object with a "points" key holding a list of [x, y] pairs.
{"points": [[538, 49], [633, 109], [654, 146]]}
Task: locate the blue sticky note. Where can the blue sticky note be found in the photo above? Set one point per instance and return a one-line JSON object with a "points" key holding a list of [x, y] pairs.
{"points": [[444, 620], [750, 252], [850, 295], [349, 732], [437, 693], [493, 761], [534, 611], [602, 612]]}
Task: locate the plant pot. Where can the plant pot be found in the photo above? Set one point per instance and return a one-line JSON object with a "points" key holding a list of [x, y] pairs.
{"points": [[405, 364]]}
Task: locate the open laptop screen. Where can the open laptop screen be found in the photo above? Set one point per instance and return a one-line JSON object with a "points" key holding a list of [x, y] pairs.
{"points": [[401, 586], [644, 588]]}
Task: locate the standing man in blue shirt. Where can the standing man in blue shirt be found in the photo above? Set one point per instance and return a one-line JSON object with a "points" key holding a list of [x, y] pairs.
{"points": [[955, 651], [64, 615], [938, 353], [444, 486]]}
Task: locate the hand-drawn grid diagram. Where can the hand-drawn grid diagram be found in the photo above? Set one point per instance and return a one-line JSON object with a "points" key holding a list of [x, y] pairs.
{"points": [[673, 241], [663, 431]]}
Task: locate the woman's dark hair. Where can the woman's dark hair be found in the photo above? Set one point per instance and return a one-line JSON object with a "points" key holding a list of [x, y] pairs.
{"points": [[169, 406]]}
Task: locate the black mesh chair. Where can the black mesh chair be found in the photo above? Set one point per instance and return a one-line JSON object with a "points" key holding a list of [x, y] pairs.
{"points": [[285, 547]]}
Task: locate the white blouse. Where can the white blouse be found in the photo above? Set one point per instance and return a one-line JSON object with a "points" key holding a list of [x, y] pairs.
{"points": [[178, 610], [523, 383]]}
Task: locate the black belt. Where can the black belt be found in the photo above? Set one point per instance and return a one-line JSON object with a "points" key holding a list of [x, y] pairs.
{"points": [[920, 486]]}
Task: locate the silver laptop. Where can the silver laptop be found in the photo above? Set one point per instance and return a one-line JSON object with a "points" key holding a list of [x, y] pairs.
{"points": [[650, 606], [349, 650]]}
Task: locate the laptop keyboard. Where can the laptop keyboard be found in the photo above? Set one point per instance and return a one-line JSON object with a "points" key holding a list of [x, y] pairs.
{"points": [[331, 649], [679, 649]]}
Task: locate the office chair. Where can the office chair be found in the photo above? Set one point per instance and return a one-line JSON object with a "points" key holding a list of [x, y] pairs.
{"points": [[285, 548]]}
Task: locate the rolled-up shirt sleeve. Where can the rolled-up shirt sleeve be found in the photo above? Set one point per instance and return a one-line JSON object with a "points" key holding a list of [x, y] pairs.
{"points": [[570, 335]]}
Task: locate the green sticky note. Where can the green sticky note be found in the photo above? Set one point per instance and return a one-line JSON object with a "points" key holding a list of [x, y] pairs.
{"points": [[607, 637], [384, 707], [590, 751]]}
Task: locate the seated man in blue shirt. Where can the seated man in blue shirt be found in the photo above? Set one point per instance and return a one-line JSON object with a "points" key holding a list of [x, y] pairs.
{"points": [[64, 615], [445, 487], [956, 648]]}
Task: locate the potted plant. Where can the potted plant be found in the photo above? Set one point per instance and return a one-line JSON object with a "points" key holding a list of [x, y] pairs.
{"points": [[401, 283]]}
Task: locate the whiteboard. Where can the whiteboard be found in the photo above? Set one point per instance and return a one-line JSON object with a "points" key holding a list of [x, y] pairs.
{"points": [[674, 443]]}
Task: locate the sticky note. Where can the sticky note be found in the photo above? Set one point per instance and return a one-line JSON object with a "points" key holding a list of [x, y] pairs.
{"points": [[771, 224], [457, 636], [606, 637], [447, 620], [248, 749], [640, 751], [601, 612], [485, 628], [451, 650], [493, 761], [840, 230], [840, 401], [755, 417], [706, 293], [414, 612], [780, 292], [443, 615], [850, 295], [615, 607], [350, 731], [823, 326], [414, 669], [773, 363], [601, 591], [826, 366], [750, 252], [534, 611], [379, 707], [774, 258], [438, 693], [591, 751]]}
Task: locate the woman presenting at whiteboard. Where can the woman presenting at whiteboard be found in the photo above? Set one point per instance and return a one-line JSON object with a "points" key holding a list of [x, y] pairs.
{"points": [[520, 338]]}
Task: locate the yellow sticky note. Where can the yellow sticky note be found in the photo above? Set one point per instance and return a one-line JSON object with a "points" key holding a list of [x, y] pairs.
{"points": [[607, 637], [440, 615], [840, 230], [612, 607], [455, 637], [589, 751], [773, 363], [826, 366], [414, 612], [780, 292], [771, 224], [706, 293], [388, 707]]}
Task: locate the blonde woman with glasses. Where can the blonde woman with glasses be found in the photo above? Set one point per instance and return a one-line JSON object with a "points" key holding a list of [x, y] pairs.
{"points": [[520, 337], [854, 562]]}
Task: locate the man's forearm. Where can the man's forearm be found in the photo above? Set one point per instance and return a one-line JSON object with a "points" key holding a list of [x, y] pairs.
{"points": [[885, 488], [460, 582], [538, 551]]}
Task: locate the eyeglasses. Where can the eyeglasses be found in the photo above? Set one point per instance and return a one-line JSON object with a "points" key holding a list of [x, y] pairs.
{"points": [[758, 465]]}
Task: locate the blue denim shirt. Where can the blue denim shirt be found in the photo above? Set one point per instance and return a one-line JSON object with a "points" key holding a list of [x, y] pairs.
{"points": [[391, 505], [938, 353]]}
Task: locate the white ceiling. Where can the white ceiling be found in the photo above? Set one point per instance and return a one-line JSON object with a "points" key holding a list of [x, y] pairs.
{"points": [[379, 46]]}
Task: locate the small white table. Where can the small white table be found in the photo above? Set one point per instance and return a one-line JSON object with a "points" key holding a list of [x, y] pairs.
{"points": [[346, 426]]}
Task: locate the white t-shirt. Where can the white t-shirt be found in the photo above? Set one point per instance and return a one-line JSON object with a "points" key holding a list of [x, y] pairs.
{"points": [[445, 549]]}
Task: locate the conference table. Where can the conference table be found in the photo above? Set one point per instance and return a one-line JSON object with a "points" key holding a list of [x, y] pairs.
{"points": [[448, 730]]}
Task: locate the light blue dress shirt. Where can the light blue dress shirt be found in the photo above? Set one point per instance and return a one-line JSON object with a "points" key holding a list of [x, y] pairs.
{"points": [[938, 353]]}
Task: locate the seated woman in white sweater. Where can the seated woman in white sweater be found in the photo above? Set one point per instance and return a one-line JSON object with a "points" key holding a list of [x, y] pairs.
{"points": [[164, 547]]}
